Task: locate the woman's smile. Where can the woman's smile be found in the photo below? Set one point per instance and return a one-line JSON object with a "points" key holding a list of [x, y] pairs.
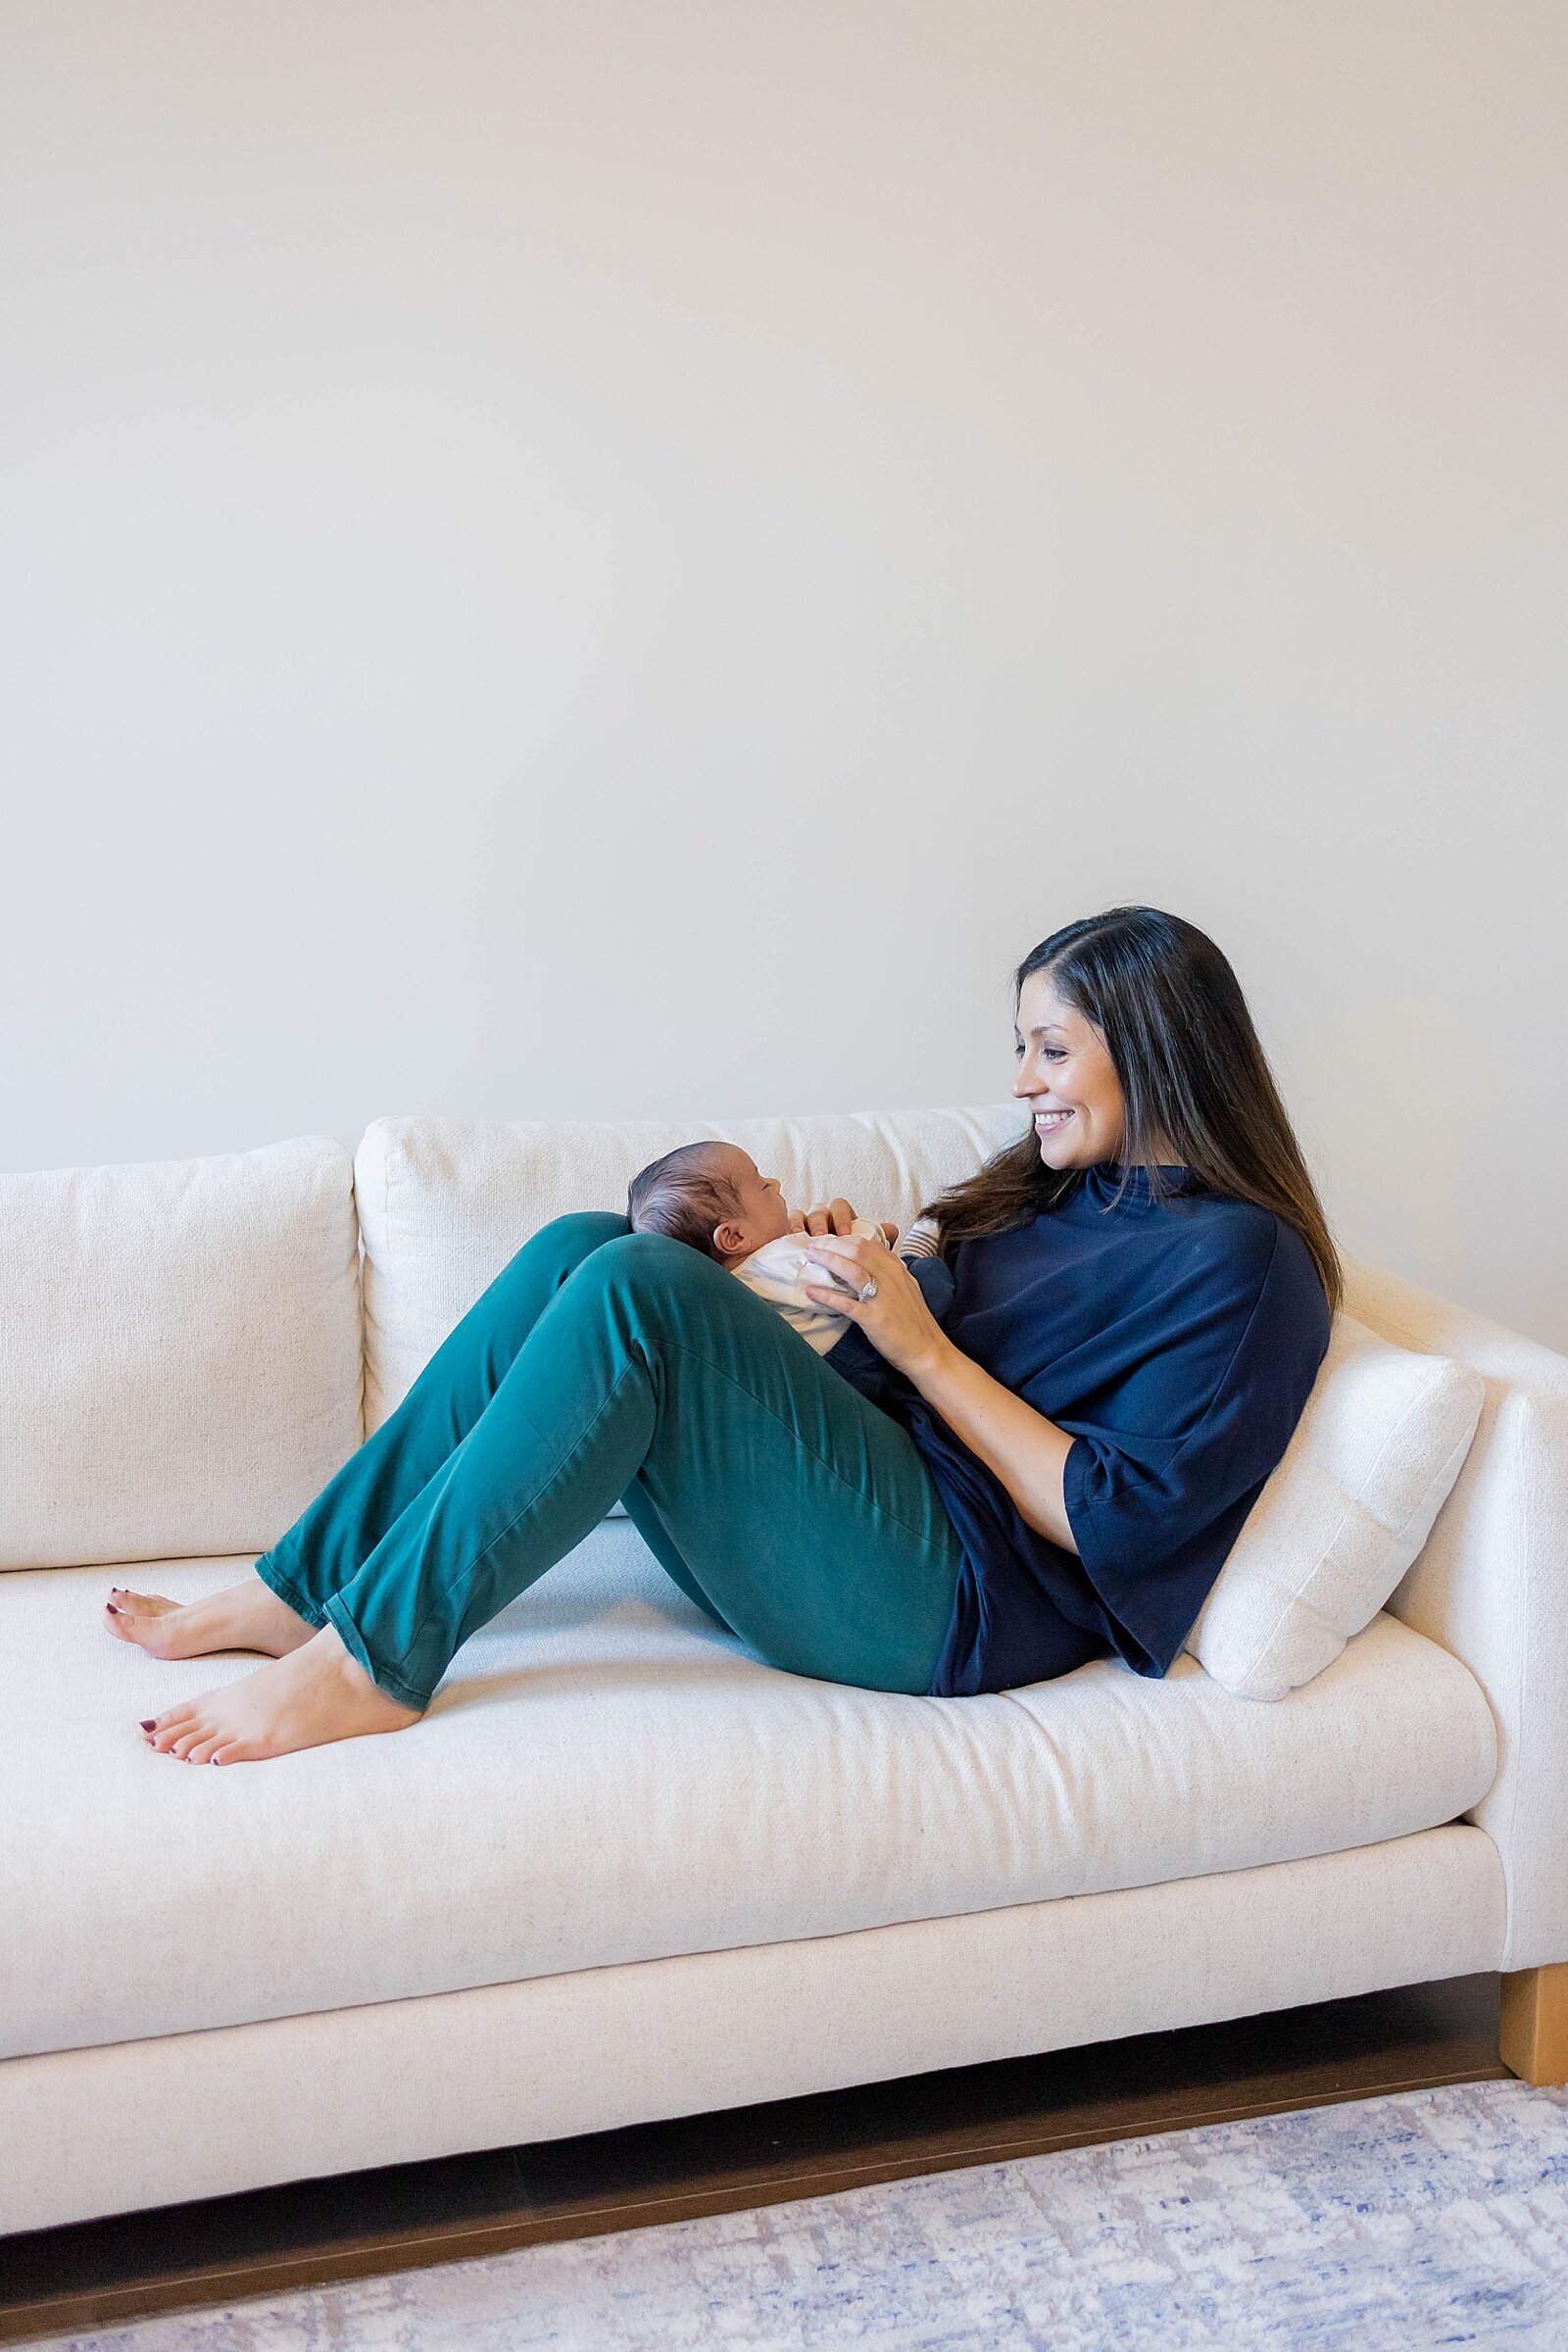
{"points": [[1058, 1048]]}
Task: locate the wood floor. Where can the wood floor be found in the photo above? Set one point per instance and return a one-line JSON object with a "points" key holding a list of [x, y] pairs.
{"points": [[103, 2274]]}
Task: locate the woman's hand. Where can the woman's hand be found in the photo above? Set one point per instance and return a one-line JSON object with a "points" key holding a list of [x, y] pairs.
{"points": [[898, 1321], [837, 1218], [1027, 1452]]}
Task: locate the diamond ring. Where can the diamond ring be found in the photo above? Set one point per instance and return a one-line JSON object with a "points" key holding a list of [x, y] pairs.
{"points": [[869, 1292]]}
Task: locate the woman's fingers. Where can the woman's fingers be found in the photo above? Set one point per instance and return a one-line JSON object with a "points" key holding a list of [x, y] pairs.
{"points": [[857, 1248], [837, 1218], [894, 1318], [845, 1253]]}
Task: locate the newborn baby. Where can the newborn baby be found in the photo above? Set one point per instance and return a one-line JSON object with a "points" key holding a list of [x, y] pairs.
{"points": [[711, 1196]]}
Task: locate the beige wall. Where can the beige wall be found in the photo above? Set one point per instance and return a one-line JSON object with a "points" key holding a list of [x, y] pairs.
{"points": [[627, 557]]}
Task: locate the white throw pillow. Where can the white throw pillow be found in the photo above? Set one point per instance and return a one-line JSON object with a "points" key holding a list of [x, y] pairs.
{"points": [[1377, 1449], [179, 1352]]}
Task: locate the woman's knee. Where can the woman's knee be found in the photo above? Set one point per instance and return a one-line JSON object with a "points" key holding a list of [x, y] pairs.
{"points": [[649, 1264], [534, 1273], [567, 1240]]}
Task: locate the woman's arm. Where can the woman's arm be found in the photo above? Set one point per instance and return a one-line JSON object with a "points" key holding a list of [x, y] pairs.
{"points": [[1027, 1452]]}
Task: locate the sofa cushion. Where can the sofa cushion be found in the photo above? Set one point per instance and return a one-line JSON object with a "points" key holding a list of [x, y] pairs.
{"points": [[1376, 1452], [606, 1777], [180, 1352], [445, 1203]]}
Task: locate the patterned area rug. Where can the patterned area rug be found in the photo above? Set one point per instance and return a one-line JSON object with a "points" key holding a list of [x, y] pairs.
{"points": [[1433, 2218]]}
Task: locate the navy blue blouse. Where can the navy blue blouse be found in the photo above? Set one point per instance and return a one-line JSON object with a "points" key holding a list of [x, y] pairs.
{"points": [[1176, 1343]]}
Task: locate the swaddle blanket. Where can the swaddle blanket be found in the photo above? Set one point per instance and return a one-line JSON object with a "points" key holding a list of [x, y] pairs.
{"points": [[778, 1272]]}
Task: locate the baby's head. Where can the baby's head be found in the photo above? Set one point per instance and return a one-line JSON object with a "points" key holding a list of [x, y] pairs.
{"points": [[711, 1196]]}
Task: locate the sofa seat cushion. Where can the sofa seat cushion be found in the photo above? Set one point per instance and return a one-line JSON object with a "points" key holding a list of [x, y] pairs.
{"points": [[604, 1777]]}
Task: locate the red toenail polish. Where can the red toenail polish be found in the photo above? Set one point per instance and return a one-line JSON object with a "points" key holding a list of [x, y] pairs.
{"points": [[148, 1722], [113, 1611]]}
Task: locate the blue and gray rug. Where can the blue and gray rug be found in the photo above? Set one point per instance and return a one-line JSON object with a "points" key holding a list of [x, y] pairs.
{"points": [[1433, 2218]]}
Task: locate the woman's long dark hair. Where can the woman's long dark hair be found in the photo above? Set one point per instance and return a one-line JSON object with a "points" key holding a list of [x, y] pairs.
{"points": [[1181, 1038]]}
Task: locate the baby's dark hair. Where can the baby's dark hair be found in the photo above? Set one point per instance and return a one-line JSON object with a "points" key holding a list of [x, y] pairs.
{"points": [[683, 1195]]}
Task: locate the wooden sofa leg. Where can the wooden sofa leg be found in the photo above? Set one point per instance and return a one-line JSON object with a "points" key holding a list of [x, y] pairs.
{"points": [[1532, 2031]]}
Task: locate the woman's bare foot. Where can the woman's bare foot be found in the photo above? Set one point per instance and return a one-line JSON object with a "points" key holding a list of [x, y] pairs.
{"points": [[316, 1695], [247, 1616]]}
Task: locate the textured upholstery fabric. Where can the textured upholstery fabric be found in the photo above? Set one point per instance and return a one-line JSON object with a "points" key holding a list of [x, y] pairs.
{"points": [[1491, 1586], [180, 1352], [604, 1778], [1341, 1519], [834, 1886], [444, 1204], [199, 2115]]}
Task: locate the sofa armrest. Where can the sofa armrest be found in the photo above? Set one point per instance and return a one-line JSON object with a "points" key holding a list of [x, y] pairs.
{"points": [[1491, 1585]]}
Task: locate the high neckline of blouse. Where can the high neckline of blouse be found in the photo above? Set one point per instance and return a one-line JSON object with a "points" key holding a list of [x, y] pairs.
{"points": [[1107, 1177]]}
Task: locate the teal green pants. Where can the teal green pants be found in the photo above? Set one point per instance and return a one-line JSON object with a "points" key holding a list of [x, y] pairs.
{"points": [[602, 1365]]}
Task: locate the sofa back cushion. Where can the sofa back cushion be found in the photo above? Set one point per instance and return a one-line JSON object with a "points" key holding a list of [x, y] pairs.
{"points": [[179, 1352], [1379, 1446], [445, 1203]]}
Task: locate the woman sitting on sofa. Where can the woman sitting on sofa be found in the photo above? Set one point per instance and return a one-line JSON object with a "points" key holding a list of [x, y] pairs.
{"points": [[1142, 1287]]}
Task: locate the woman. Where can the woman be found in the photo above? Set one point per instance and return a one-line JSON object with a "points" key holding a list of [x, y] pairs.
{"points": [[1143, 1290]]}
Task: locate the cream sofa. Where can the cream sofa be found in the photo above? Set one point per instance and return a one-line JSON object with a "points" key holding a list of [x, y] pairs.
{"points": [[621, 1870]]}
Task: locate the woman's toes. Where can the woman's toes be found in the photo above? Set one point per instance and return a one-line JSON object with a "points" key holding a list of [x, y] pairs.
{"points": [[145, 1618], [314, 1694], [219, 1748]]}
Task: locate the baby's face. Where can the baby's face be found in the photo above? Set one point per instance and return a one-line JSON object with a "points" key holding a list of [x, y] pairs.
{"points": [[762, 1210]]}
